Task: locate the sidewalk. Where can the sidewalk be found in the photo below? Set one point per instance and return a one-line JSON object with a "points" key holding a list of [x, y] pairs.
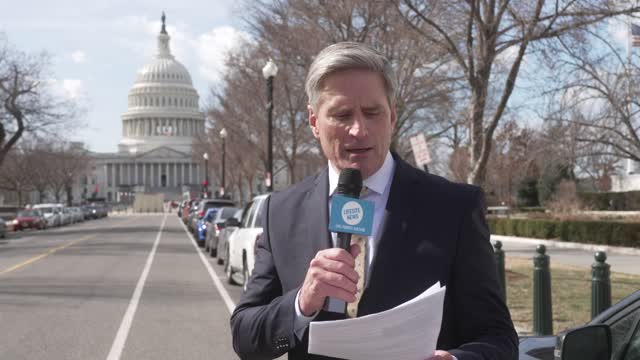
{"points": [[621, 259]]}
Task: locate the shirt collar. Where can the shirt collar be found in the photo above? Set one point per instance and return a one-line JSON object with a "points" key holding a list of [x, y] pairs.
{"points": [[377, 182]]}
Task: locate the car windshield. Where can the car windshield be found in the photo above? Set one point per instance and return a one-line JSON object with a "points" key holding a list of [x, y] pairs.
{"points": [[211, 214], [27, 213], [46, 210], [228, 212], [215, 204]]}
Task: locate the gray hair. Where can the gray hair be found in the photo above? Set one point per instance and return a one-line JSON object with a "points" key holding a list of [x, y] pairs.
{"points": [[344, 56]]}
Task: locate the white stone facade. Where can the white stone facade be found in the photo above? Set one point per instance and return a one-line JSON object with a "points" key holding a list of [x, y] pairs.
{"points": [[630, 181], [158, 130]]}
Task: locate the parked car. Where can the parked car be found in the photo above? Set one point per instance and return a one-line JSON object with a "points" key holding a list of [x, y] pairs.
{"points": [[231, 225], [217, 226], [201, 208], [93, 212], [29, 219], [86, 212], [201, 226], [102, 210], [242, 243], [51, 214], [622, 318], [66, 217], [181, 207], [77, 214], [186, 211], [3, 228]]}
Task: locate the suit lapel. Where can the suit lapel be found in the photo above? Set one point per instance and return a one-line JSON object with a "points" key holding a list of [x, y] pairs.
{"points": [[317, 211], [394, 229]]}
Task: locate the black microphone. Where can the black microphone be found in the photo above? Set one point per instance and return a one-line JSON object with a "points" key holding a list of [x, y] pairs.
{"points": [[349, 185]]}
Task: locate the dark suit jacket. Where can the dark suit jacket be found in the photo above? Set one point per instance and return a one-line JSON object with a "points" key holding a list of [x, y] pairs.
{"points": [[435, 231]]}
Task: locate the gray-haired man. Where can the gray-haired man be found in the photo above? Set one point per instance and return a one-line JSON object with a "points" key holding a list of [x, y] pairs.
{"points": [[434, 231]]}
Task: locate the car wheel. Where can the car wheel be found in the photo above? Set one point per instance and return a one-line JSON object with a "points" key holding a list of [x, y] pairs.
{"points": [[228, 270], [221, 259]]}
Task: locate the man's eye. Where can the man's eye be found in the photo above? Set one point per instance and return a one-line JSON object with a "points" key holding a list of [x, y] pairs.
{"points": [[342, 116], [372, 113]]}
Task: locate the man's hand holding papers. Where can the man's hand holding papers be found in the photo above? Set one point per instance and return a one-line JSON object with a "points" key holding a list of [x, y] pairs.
{"points": [[407, 332]]}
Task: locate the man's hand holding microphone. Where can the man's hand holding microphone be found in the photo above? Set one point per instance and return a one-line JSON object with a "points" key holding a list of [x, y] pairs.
{"points": [[332, 272]]}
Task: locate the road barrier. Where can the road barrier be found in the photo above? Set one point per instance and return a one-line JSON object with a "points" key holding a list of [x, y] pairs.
{"points": [[542, 303], [499, 254], [600, 284]]}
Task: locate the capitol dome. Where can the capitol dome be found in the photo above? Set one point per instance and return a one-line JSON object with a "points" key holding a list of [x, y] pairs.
{"points": [[163, 107], [164, 70]]}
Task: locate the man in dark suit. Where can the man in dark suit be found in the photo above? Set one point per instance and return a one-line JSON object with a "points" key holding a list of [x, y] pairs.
{"points": [[425, 229]]}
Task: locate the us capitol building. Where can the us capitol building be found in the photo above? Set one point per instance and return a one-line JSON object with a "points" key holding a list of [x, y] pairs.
{"points": [[158, 130]]}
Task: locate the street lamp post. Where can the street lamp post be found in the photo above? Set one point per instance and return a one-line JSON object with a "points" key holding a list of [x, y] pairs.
{"points": [[206, 175], [223, 136], [269, 71]]}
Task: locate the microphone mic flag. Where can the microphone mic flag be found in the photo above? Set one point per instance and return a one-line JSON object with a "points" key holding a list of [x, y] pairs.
{"points": [[349, 185]]}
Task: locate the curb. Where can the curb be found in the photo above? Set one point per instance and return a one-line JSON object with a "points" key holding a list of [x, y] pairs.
{"points": [[568, 245]]}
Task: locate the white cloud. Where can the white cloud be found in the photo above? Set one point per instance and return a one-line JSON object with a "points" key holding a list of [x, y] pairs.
{"points": [[213, 48], [139, 34], [78, 56], [618, 29], [67, 88], [207, 51], [73, 87]]}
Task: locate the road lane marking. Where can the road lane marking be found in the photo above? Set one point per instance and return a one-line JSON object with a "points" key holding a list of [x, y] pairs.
{"points": [[127, 320], [42, 256], [49, 252], [216, 281]]}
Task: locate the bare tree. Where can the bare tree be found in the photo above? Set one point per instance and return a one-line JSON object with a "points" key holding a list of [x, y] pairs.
{"points": [[27, 102], [15, 174], [489, 39], [69, 162], [598, 98], [517, 154], [292, 32]]}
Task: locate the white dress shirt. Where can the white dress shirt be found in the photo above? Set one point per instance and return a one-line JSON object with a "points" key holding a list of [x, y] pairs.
{"points": [[379, 185]]}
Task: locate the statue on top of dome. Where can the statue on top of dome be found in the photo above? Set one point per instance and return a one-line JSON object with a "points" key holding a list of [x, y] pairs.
{"points": [[164, 30]]}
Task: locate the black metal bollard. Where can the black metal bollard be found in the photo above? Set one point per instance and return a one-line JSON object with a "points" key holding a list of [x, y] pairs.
{"points": [[600, 284], [499, 254], [542, 309]]}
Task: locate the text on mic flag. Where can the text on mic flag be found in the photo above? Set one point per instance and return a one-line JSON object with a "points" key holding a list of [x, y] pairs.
{"points": [[350, 215]]}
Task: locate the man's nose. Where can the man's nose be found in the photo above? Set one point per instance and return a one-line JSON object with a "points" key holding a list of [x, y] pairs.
{"points": [[359, 126]]}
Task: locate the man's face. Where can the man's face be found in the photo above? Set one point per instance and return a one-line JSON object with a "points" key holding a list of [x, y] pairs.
{"points": [[353, 120]]}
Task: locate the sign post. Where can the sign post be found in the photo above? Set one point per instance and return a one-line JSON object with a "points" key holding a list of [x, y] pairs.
{"points": [[421, 151]]}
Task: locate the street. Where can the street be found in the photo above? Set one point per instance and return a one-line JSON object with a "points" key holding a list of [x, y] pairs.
{"points": [[561, 254], [125, 287], [134, 287]]}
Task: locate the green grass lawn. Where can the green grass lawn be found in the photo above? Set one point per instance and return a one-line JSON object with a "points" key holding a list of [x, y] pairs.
{"points": [[570, 292]]}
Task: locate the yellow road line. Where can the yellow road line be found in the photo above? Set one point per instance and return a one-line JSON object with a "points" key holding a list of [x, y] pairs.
{"points": [[42, 256], [52, 251]]}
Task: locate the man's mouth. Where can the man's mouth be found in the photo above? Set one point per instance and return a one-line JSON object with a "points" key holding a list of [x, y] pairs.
{"points": [[358, 150]]}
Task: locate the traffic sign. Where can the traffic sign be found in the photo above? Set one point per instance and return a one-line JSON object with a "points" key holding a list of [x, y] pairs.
{"points": [[420, 150]]}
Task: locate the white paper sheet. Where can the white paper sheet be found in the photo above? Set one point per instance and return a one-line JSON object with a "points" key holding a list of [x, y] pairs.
{"points": [[407, 332]]}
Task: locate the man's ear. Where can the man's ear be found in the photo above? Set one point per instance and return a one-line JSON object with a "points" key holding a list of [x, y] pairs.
{"points": [[313, 120], [394, 118]]}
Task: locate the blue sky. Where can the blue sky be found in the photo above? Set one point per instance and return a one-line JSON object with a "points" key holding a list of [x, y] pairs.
{"points": [[96, 48]]}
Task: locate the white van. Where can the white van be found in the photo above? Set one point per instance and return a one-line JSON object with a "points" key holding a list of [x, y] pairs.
{"points": [[242, 243], [52, 213]]}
